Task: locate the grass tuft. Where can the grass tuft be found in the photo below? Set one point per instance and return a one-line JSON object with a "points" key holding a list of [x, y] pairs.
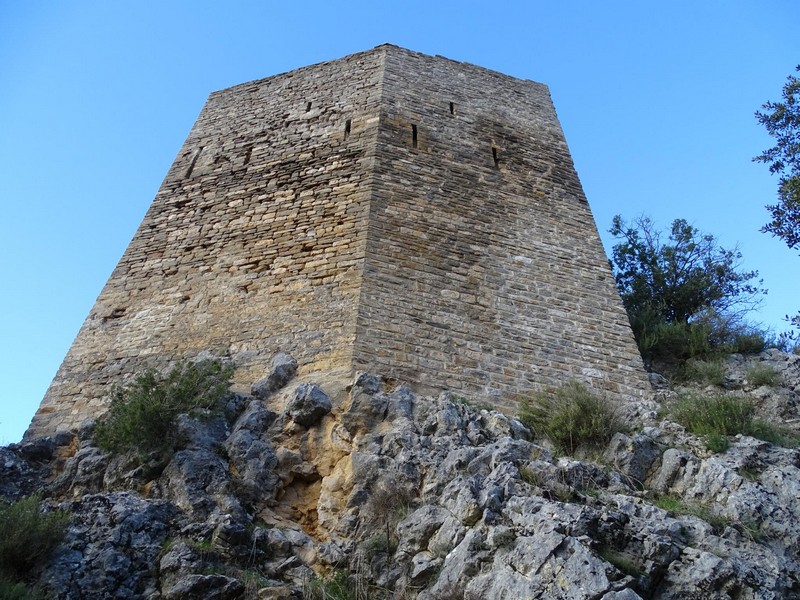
{"points": [[716, 417], [710, 372], [571, 417], [762, 374]]}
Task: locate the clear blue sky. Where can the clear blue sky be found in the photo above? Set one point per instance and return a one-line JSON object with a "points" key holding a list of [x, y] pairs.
{"points": [[656, 99]]}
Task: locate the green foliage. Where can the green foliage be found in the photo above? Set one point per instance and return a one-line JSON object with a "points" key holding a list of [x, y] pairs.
{"points": [[681, 278], [142, 415], [338, 585], [621, 562], [773, 434], [662, 341], [682, 293], [571, 417], [671, 504], [28, 537], [476, 404], [676, 506], [782, 122], [10, 590], [530, 476], [716, 417], [708, 372], [762, 374], [713, 417], [717, 442]]}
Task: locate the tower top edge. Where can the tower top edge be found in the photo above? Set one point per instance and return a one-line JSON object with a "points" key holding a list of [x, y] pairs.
{"points": [[384, 48]]}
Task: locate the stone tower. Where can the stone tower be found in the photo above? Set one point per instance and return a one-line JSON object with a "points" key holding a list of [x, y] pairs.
{"points": [[390, 212]]}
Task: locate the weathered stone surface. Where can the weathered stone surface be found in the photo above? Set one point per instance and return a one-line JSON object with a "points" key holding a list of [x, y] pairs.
{"points": [[210, 587], [283, 369], [424, 494], [308, 404], [632, 456], [112, 546]]}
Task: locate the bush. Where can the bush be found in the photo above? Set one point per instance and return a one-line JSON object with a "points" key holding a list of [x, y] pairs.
{"points": [[142, 415], [717, 417], [15, 591], [28, 537], [761, 374], [668, 342], [701, 371], [751, 342], [338, 585], [768, 432], [389, 502], [572, 417]]}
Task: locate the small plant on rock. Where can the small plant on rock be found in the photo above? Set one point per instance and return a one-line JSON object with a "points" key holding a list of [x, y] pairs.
{"points": [[571, 417], [678, 507], [530, 476], [713, 417], [710, 372], [621, 562], [762, 374], [28, 537], [389, 501], [716, 417], [338, 585], [142, 414]]}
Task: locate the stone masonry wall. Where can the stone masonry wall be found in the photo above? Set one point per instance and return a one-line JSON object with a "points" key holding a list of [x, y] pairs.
{"points": [[485, 271], [255, 241], [388, 211]]}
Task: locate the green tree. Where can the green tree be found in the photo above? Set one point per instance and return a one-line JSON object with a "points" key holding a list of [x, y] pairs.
{"points": [[782, 122], [682, 293]]}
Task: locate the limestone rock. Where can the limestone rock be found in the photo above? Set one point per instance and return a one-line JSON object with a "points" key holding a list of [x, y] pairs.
{"points": [[283, 369], [308, 405], [406, 492]]}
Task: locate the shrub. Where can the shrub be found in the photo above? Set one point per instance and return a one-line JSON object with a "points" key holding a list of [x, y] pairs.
{"points": [[751, 342], [28, 537], [668, 342], [572, 417], [389, 502], [142, 415], [716, 417], [338, 585], [762, 374], [530, 476], [16, 591], [709, 372], [773, 434]]}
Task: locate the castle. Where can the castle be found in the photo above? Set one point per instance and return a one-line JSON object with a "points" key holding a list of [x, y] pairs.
{"points": [[389, 212]]}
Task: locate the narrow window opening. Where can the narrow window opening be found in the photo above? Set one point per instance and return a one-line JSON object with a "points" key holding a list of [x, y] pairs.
{"points": [[414, 136], [308, 106], [452, 108], [347, 129], [194, 162], [247, 155], [495, 156]]}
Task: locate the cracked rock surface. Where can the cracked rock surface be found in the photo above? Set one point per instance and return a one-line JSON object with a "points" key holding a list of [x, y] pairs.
{"points": [[416, 497]]}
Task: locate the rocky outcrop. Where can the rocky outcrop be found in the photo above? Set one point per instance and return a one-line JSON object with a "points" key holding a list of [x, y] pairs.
{"points": [[410, 496]]}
